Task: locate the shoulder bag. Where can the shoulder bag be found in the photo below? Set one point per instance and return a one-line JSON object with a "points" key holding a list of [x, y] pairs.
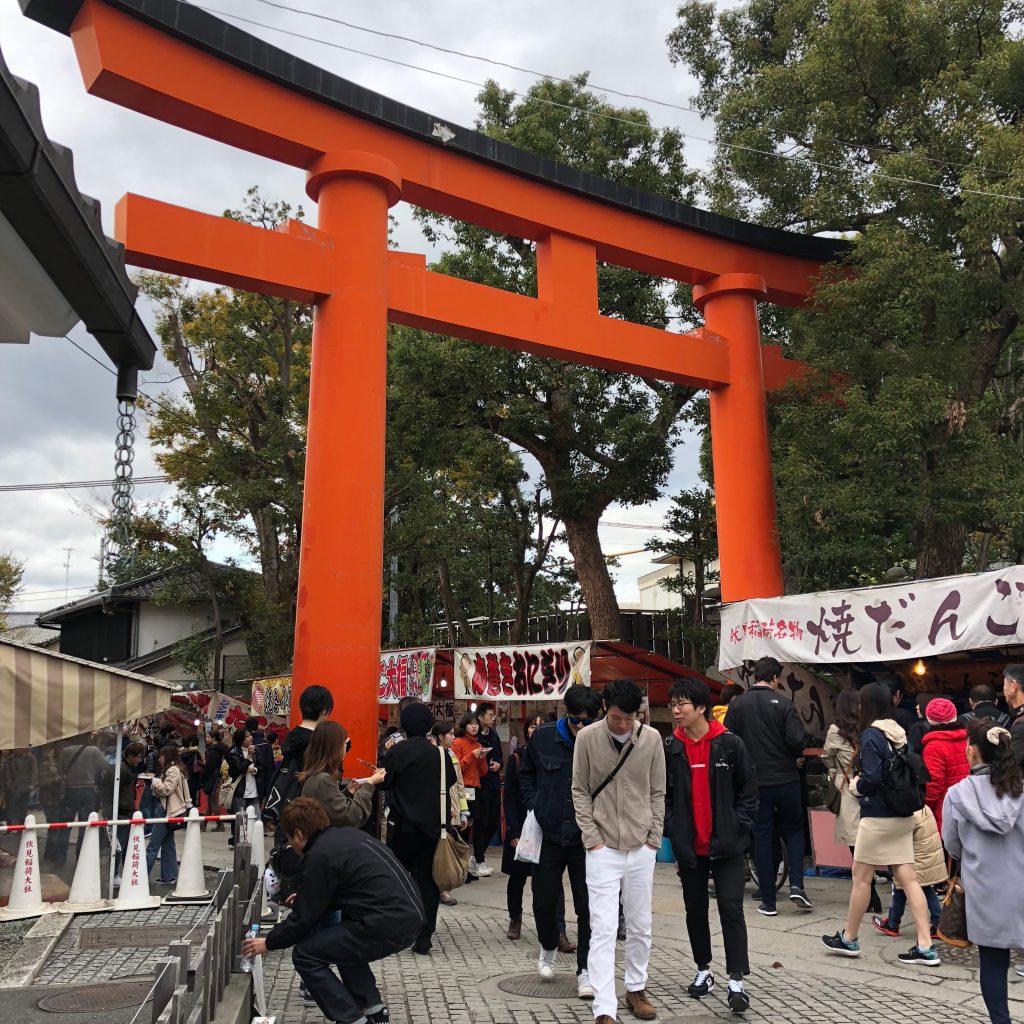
{"points": [[451, 855], [834, 800], [953, 918]]}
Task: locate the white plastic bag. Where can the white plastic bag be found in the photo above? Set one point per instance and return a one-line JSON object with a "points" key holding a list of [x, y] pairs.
{"points": [[528, 847]]}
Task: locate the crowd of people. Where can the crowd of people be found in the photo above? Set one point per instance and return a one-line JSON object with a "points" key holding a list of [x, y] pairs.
{"points": [[604, 789], [597, 790]]}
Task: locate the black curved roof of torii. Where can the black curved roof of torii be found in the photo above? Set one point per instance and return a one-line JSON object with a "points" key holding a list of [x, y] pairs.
{"points": [[63, 230], [231, 44]]}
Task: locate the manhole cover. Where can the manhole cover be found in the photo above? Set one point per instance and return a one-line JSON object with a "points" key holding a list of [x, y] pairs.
{"points": [[98, 997], [954, 955], [562, 986], [142, 937]]}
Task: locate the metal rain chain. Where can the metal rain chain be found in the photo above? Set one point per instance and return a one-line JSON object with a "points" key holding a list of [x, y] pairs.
{"points": [[120, 547]]}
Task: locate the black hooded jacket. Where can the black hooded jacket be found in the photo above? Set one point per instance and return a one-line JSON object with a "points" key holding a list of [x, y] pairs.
{"points": [[345, 869], [732, 780]]}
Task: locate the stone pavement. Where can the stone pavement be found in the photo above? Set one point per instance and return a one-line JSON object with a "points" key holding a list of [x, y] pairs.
{"points": [[475, 974]]}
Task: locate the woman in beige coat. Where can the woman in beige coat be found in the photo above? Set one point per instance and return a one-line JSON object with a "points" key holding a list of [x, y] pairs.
{"points": [[839, 756], [172, 789]]}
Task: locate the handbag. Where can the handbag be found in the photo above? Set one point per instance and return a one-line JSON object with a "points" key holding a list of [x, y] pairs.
{"points": [[952, 928], [834, 800], [451, 855], [227, 791]]}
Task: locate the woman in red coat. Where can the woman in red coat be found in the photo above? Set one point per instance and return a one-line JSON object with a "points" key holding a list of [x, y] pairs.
{"points": [[944, 750]]}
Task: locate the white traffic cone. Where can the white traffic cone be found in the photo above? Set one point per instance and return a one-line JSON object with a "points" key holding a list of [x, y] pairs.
{"points": [[86, 896], [259, 859], [26, 899], [134, 891], [191, 886]]}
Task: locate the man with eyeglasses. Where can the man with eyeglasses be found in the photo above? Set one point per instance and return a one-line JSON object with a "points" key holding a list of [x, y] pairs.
{"points": [[546, 781], [710, 805]]}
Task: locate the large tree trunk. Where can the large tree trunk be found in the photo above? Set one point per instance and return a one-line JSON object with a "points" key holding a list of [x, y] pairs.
{"points": [[940, 548], [595, 580]]}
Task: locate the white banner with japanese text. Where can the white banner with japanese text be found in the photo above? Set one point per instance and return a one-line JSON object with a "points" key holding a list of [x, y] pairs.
{"points": [[528, 672], [408, 673], [916, 619]]}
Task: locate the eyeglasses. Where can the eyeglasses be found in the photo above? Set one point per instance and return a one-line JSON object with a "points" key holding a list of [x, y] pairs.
{"points": [[675, 704], [573, 720]]}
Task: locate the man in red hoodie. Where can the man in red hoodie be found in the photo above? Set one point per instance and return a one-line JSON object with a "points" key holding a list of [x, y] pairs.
{"points": [[710, 806]]}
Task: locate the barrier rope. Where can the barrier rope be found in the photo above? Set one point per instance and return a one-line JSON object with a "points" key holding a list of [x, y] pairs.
{"points": [[105, 822]]}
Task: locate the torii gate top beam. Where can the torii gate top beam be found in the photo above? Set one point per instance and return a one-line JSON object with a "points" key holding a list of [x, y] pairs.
{"points": [[200, 73]]}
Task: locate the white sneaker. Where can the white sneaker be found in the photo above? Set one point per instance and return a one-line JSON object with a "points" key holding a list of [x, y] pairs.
{"points": [[483, 871], [474, 868], [546, 963], [583, 987], [1019, 969]]}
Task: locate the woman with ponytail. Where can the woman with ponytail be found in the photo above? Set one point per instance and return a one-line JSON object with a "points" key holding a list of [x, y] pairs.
{"points": [[983, 826]]}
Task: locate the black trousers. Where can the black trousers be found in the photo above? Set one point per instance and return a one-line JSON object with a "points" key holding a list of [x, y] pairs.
{"points": [[547, 887], [517, 886], [995, 963], [486, 810], [730, 875], [415, 851], [349, 998]]}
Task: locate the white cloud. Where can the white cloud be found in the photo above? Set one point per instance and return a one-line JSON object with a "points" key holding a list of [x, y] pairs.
{"points": [[57, 410]]}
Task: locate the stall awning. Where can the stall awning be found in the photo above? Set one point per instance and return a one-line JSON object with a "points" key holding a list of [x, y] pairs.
{"points": [[48, 697]]}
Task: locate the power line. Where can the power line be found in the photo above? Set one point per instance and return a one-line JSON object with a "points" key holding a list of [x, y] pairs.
{"points": [[73, 485], [900, 179], [590, 85]]}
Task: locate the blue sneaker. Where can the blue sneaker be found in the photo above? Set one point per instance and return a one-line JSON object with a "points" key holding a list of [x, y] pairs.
{"points": [[918, 957], [840, 944]]}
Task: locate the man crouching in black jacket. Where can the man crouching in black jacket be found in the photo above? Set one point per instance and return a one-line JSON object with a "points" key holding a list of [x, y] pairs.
{"points": [[346, 870], [710, 804]]}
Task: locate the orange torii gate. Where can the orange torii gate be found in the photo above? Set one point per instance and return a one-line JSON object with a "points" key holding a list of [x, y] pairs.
{"points": [[362, 153]]}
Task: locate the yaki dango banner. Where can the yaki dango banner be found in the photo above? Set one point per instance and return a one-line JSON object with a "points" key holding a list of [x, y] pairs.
{"points": [[526, 672], [408, 673]]}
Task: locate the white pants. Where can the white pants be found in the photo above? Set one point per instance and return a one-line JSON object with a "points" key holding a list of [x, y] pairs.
{"points": [[607, 870]]}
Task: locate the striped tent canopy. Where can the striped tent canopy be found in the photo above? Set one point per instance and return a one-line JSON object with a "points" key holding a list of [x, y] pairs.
{"points": [[48, 697]]}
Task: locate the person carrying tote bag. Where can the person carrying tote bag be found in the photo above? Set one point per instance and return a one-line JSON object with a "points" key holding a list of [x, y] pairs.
{"points": [[451, 855], [172, 789]]}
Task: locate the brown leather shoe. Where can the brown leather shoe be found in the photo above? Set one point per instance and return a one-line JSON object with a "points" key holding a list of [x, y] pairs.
{"points": [[515, 928], [640, 1005], [565, 944]]}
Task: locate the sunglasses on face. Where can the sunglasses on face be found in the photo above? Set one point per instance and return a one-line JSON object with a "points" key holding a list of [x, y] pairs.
{"points": [[573, 720]]}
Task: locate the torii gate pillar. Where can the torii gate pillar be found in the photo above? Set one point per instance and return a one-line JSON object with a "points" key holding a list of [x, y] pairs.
{"points": [[337, 620], [749, 557]]}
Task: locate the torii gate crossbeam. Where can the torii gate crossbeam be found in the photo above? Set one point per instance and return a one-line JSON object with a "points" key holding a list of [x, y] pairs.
{"points": [[362, 153]]}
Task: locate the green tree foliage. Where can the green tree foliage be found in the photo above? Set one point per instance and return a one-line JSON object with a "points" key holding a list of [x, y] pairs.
{"points": [[693, 542], [918, 461], [599, 437], [11, 574]]}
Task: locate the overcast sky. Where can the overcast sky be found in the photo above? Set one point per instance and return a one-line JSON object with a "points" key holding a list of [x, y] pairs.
{"points": [[57, 417]]}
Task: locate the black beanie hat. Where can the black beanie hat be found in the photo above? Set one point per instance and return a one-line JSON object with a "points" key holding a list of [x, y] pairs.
{"points": [[416, 720]]}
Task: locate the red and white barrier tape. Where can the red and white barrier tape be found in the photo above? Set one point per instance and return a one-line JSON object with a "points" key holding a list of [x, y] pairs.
{"points": [[114, 821]]}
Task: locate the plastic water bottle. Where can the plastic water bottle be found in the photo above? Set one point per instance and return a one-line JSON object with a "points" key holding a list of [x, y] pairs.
{"points": [[248, 962]]}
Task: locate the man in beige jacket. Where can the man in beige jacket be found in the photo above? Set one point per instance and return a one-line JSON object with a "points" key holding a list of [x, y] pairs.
{"points": [[618, 792]]}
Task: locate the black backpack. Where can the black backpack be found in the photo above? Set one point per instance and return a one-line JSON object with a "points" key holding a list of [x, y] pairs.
{"points": [[904, 781], [284, 788]]}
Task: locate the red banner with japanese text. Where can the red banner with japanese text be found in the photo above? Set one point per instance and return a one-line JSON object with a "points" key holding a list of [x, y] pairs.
{"points": [[899, 621], [528, 672]]}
